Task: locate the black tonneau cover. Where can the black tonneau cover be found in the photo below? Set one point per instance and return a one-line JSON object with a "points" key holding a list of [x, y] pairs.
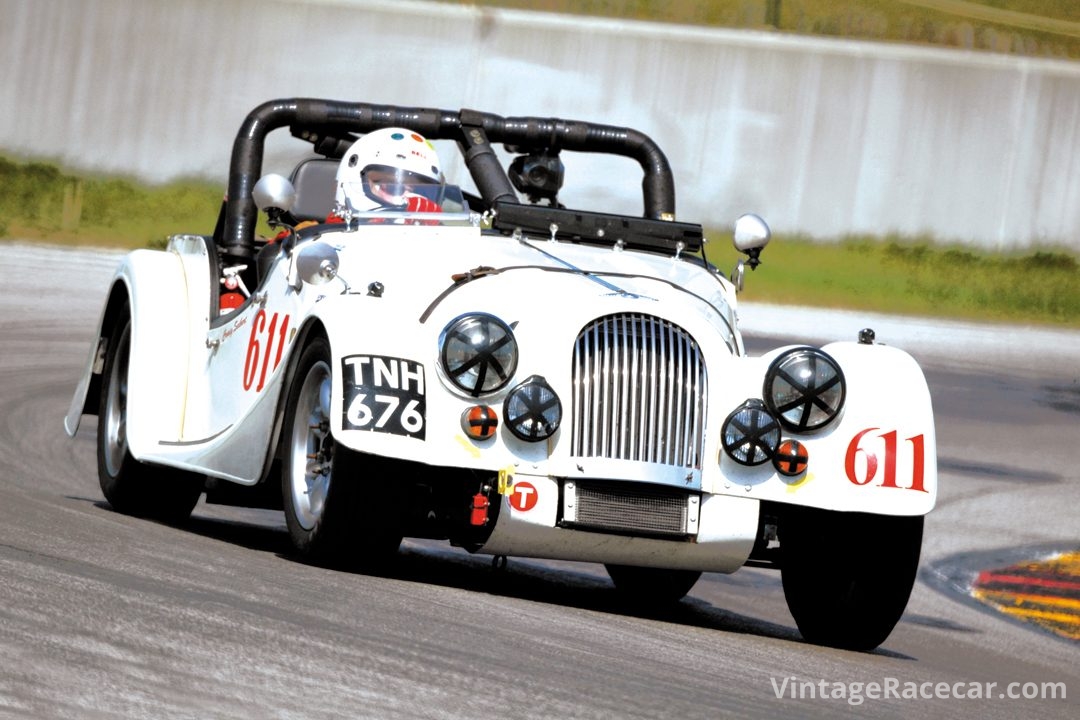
{"points": [[598, 228]]}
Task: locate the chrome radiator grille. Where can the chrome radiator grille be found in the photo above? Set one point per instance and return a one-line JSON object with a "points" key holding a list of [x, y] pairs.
{"points": [[639, 389]]}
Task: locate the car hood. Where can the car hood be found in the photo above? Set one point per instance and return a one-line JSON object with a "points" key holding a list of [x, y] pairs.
{"points": [[433, 272]]}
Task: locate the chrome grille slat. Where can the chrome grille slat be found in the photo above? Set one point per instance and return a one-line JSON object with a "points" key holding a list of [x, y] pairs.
{"points": [[649, 382], [694, 390], [635, 414], [639, 389], [623, 411]]}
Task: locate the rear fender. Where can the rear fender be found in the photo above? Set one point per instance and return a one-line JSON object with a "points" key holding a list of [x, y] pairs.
{"points": [[151, 284]]}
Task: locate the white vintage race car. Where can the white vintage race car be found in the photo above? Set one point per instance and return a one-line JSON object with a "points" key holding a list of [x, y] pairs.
{"points": [[516, 377]]}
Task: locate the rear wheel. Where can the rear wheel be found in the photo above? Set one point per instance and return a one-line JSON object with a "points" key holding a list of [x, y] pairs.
{"points": [[847, 576], [652, 586], [131, 486], [333, 512]]}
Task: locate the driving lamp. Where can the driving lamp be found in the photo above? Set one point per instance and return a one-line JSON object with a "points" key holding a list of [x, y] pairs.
{"points": [[750, 435], [478, 353], [532, 410], [479, 422], [804, 389]]}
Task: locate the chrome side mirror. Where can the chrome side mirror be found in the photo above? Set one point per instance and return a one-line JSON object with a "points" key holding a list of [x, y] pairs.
{"points": [[751, 236], [317, 263], [274, 195]]}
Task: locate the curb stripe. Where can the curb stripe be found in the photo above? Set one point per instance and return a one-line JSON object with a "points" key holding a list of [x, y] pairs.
{"points": [[1028, 599], [1045, 593], [1012, 579]]}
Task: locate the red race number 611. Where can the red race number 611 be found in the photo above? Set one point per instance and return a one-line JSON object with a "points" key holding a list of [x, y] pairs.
{"points": [[888, 466], [257, 361]]}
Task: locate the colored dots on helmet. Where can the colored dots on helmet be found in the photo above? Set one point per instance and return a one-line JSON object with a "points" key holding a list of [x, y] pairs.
{"points": [[397, 136], [418, 138]]}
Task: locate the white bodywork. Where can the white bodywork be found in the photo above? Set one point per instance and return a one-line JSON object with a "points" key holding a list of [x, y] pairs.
{"points": [[205, 392]]}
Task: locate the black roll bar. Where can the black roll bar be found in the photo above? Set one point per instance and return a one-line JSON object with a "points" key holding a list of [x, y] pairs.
{"points": [[473, 131]]}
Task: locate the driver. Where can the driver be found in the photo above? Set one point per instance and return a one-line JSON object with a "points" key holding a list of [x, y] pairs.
{"points": [[389, 169]]}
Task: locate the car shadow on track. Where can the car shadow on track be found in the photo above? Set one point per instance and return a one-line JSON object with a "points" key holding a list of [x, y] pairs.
{"points": [[536, 581], [252, 533], [436, 563], [555, 583]]}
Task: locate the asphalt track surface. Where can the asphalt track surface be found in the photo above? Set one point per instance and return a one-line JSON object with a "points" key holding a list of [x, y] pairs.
{"points": [[104, 615]]}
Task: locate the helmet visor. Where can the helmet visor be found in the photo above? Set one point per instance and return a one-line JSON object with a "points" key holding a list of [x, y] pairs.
{"points": [[393, 186]]}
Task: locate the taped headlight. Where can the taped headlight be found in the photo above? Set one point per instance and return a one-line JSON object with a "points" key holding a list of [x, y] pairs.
{"points": [[804, 389], [532, 410], [750, 434], [478, 353]]}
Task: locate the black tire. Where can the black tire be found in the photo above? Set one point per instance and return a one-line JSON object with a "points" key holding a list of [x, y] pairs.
{"points": [[132, 487], [648, 586], [847, 576], [334, 517]]}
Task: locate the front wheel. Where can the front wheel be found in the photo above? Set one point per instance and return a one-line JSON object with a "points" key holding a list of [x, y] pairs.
{"points": [[130, 486], [652, 586], [333, 511], [847, 576]]}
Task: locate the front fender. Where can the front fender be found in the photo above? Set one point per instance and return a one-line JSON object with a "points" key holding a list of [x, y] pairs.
{"points": [[367, 328], [389, 397], [879, 457]]}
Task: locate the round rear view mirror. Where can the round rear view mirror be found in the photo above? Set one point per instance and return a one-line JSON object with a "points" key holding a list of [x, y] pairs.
{"points": [[273, 193], [751, 233], [317, 263]]}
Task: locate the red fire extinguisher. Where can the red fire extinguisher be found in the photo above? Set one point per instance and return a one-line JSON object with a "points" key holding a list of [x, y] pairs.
{"points": [[480, 505]]}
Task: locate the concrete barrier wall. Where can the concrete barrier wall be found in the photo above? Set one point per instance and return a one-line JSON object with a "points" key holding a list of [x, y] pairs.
{"points": [[819, 136]]}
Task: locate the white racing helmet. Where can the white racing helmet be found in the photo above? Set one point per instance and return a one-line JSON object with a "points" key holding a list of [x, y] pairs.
{"points": [[387, 167]]}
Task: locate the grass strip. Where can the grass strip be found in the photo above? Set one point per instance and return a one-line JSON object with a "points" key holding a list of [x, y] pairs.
{"points": [[885, 274], [917, 277]]}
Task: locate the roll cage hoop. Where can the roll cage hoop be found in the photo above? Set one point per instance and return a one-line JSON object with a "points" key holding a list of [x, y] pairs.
{"points": [[330, 126]]}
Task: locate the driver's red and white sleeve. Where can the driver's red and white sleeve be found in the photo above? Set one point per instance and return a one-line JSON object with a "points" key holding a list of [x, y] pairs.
{"points": [[419, 203]]}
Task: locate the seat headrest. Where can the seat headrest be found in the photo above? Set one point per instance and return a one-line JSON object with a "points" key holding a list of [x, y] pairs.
{"points": [[315, 180]]}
